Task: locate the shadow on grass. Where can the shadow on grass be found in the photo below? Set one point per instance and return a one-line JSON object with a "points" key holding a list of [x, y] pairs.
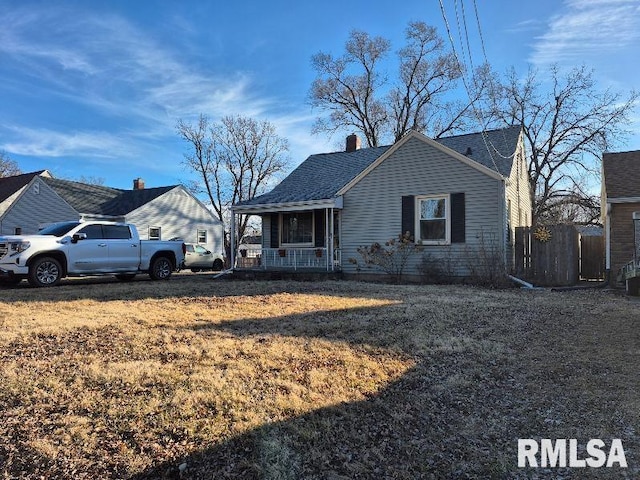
{"points": [[489, 369], [444, 418], [486, 374]]}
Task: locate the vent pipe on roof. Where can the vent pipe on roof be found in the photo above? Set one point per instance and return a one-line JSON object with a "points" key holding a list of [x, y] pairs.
{"points": [[138, 184], [469, 152], [353, 143]]}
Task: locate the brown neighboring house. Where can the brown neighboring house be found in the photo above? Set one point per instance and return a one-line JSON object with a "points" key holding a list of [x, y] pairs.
{"points": [[620, 199]]}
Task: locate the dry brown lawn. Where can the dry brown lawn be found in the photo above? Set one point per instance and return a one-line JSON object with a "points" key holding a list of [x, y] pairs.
{"points": [[201, 378]]}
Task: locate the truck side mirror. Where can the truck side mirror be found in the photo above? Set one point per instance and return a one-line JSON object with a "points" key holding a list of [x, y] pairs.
{"points": [[78, 236]]}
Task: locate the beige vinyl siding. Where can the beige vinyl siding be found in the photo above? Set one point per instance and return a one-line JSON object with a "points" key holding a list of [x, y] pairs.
{"points": [[373, 207], [37, 205], [180, 215], [518, 191], [519, 197]]}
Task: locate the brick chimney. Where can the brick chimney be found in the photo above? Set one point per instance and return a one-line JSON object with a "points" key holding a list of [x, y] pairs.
{"points": [[138, 184], [353, 143]]}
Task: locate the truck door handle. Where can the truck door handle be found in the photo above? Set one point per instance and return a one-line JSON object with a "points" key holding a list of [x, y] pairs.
{"points": [[102, 244], [134, 246]]}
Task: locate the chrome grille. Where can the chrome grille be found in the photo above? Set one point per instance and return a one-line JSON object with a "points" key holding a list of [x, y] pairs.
{"points": [[4, 247]]}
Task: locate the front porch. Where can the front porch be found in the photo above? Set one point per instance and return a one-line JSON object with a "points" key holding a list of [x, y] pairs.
{"points": [[300, 237]]}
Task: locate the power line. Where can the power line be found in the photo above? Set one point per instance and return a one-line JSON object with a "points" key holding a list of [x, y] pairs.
{"points": [[484, 51], [479, 117]]}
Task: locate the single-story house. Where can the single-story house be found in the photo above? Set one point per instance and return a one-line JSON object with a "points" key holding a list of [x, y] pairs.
{"points": [[454, 195], [31, 201], [620, 199]]}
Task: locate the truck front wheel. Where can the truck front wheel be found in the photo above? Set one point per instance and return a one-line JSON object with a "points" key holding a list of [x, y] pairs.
{"points": [[45, 272], [161, 268]]}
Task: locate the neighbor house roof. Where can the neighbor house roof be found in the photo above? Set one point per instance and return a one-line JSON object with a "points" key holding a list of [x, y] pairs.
{"points": [[621, 172], [322, 176], [10, 185], [100, 200]]}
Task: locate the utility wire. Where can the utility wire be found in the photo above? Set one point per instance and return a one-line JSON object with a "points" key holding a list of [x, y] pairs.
{"points": [[488, 144]]}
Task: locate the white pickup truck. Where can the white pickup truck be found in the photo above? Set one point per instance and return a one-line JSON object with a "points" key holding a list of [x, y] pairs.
{"points": [[75, 249]]}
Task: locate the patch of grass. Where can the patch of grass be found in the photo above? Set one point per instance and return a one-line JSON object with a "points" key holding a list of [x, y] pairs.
{"points": [[297, 380]]}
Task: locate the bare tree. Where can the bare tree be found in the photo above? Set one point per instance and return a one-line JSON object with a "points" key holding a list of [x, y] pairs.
{"points": [[235, 159], [356, 92], [8, 167], [567, 125], [90, 180]]}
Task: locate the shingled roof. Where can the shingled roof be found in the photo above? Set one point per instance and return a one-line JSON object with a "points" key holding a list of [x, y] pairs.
{"points": [[100, 200], [492, 148], [321, 176], [10, 185], [621, 173]]}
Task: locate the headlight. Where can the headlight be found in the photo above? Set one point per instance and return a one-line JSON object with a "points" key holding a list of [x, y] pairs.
{"points": [[19, 247]]}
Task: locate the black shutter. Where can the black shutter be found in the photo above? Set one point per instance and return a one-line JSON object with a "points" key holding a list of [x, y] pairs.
{"points": [[409, 215], [457, 218], [274, 237], [318, 218]]}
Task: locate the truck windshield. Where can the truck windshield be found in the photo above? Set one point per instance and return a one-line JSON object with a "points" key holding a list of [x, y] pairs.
{"points": [[58, 229]]}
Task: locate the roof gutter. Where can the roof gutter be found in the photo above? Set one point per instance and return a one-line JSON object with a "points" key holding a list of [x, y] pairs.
{"points": [[336, 202], [623, 199]]}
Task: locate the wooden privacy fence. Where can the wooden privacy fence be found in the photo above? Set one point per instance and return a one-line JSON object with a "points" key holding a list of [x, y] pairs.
{"points": [[592, 257], [547, 255]]}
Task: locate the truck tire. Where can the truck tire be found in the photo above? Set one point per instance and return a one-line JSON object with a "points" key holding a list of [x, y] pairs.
{"points": [[126, 277], [217, 265], [161, 268], [45, 272]]}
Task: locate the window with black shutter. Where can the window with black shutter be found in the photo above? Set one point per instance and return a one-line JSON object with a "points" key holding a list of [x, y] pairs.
{"points": [[434, 219]]}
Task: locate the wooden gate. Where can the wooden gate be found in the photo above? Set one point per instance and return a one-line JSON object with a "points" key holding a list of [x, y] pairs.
{"points": [[547, 255], [592, 257]]}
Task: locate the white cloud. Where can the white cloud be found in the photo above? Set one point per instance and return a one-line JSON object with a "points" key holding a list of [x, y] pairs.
{"points": [[107, 65], [133, 83], [588, 29], [49, 143]]}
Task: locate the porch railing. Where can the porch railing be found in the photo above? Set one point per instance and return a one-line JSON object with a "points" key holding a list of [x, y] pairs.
{"points": [[630, 270], [288, 259]]}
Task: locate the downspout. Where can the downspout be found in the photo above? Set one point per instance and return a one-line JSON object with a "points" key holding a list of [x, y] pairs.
{"points": [[607, 238], [505, 223]]}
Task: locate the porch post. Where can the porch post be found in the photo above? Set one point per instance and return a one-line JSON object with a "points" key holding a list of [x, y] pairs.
{"points": [[331, 240], [326, 234], [232, 239]]}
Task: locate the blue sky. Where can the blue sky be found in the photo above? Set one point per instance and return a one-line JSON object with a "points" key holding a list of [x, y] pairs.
{"points": [[95, 88]]}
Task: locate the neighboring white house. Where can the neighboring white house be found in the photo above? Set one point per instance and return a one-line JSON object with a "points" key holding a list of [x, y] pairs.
{"points": [[454, 196], [30, 201]]}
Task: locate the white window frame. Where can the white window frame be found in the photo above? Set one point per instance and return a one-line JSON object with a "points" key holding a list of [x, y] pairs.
{"points": [[158, 237], [418, 211], [300, 244], [201, 231]]}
